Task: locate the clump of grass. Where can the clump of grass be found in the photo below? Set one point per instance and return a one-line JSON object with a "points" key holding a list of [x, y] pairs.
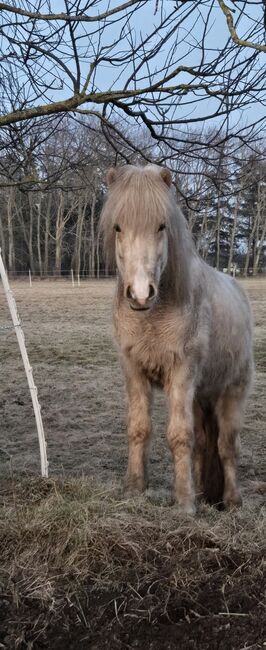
{"points": [[62, 539]]}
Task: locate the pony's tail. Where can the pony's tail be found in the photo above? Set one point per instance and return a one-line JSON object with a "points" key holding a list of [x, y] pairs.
{"points": [[213, 473]]}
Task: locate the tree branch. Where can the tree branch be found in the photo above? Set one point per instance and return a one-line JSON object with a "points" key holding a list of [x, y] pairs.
{"points": [[239, 41], [69, 18]]}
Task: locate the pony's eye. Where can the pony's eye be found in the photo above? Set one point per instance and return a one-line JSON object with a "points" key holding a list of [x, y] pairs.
{"points": [[161, 227], [117, 228]]}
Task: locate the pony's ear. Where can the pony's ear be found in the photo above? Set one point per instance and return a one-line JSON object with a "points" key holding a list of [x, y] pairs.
{"points": [[166, 176], [111, 176]]}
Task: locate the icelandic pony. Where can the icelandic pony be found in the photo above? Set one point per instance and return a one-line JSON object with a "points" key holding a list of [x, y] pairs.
{"points": [[181, 325]]}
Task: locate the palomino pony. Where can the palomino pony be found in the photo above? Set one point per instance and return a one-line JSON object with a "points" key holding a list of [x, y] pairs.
{"points": [[181, 325]]}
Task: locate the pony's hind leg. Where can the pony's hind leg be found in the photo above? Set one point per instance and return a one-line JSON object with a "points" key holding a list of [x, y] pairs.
{"points": [[229, 412], [139, 429]]}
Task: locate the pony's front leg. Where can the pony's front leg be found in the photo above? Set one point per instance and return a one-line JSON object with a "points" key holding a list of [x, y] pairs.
{"points": [[180, 439], [139, 428], [199, 449]]}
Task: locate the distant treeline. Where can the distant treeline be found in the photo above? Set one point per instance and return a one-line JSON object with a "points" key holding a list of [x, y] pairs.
{"points": [[52, 190]]}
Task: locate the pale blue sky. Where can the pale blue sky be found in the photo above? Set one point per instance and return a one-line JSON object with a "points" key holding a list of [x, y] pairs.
{"points": [[190, 33], [188, 51]]}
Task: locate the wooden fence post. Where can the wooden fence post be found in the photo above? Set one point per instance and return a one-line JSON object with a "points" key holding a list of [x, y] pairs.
{"points": [[28, 370]]}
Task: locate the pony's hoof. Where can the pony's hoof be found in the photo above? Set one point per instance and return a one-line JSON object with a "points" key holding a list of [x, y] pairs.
{"points": [[134, 488], [200, 497], [131, 492], [233, 501], [186, 509]]}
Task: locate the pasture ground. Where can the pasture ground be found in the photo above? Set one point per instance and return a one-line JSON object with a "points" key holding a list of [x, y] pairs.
{"points": [[80, 565]]}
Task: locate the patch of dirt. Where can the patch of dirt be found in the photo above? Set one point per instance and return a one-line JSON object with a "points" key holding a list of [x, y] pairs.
{"points": [[98, 622]]}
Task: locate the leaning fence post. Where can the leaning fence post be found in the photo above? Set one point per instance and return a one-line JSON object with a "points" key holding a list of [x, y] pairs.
{"points": [[33, 390]]}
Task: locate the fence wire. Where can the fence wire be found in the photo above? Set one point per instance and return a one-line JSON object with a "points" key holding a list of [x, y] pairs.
{"points": [[6, 327]]}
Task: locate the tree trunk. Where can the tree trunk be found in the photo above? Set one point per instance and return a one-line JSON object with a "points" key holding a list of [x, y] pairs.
{"points": [[260, 227], [232, 235], [39, 237], [59, 234], [85, 248], [31, 258], [218, 232], [192, 218], [98, 255], [201, 238], [79, 231], [47, 234], [249, 246], [11, 248], [260, 247], [92, 236], [2, 242]]}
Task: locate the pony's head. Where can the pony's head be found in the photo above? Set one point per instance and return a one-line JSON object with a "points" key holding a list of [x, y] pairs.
{"points": [[136, 223]]}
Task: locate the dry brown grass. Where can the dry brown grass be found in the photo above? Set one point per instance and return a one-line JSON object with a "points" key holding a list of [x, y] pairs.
{"points": [[76, 555], [81, 567]]}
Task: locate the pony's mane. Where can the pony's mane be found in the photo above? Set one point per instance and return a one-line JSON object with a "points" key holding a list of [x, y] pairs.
{"points": [[139, 198]]}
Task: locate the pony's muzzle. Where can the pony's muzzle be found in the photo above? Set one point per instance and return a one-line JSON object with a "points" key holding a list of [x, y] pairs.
{"points": [[141, 302]]}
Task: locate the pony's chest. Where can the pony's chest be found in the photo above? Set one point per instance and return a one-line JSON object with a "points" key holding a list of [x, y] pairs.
{"points": [[153, 354], [154, 346]]}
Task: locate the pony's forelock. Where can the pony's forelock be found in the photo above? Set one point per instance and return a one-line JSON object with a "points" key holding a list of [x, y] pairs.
{"points": [[138, 199]]}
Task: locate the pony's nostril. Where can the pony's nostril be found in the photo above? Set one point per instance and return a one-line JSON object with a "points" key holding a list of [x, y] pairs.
{"points": [[129, 293], [151, 291]]}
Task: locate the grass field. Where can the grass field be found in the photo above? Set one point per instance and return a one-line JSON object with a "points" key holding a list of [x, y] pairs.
{"points": [[81, 567]]}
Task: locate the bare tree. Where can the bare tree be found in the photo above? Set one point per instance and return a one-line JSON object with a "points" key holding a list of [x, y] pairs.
{"points": [[151, 62]]}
